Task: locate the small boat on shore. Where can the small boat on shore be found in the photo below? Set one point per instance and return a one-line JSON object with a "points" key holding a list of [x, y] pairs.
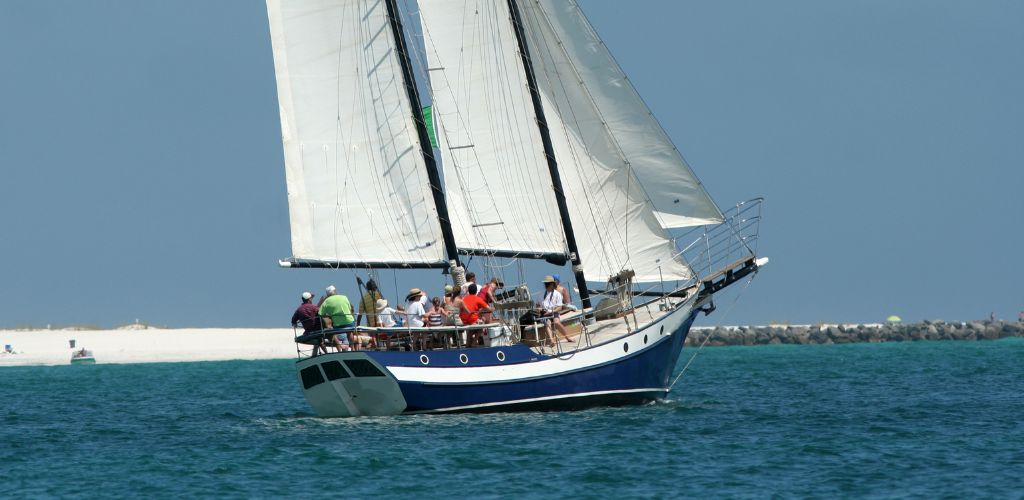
{"points": [[83, 357], [547, 155]]}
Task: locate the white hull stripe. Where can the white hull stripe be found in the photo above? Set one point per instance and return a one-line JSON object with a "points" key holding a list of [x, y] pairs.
{"points": [[544, 398]]}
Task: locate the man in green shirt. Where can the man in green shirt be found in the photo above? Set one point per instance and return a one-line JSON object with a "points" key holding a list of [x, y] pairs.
{"points": [[336, 312], [338, 309]]}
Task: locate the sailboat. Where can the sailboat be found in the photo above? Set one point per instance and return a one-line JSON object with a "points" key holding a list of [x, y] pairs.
{"points": [[545, 153]]}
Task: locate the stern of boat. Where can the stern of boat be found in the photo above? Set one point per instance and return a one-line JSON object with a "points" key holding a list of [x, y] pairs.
{"points": [[349, 384]]}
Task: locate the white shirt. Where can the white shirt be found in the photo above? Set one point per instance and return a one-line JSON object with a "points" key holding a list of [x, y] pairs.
{"points": [[414, 312], [465, 288], [385, 318], [552, 300]]}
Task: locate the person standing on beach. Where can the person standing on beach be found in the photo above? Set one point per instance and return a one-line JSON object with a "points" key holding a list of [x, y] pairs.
{"points": [[308, 314], [368, 305]]}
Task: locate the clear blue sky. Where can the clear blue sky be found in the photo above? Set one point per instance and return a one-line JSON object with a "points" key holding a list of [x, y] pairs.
{"points": [[142, 171]]}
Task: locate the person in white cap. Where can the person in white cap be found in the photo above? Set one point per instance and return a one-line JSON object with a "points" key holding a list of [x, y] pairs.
{"points": [[307, 314]]}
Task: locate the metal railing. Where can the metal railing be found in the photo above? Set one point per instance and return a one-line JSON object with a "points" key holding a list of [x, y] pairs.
{"points": [[504, 329], [709, 248]]}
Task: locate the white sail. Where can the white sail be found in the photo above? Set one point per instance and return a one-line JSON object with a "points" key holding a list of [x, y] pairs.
{"points": [[497, 181], [358, 190], [678, 197], [615, 225]]}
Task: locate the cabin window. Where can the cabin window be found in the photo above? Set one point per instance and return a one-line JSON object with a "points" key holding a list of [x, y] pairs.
{"points": [[311, 376], [334, 370], [363, 368]]}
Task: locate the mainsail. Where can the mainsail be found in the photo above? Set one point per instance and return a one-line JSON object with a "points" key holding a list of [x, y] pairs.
{"points": [[616, 227], [496, 177], [358, 190], [635, 136]]}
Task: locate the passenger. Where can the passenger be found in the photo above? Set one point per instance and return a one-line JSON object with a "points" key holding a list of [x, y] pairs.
{"points": [[487, 291], [566, 303], [399, 315], [327, 293], [385, 314], [414, 310], [307, 314], [550, 307], [436, 315], [470, 280], [368, 304], [427, 304], [474, 310], [415, 315], [452, 305], [336, 312]]}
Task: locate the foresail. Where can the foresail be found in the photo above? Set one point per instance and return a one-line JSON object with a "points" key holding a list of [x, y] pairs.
{"points": [[616, 227], [677, 195], [358, 190], [496, 178]]}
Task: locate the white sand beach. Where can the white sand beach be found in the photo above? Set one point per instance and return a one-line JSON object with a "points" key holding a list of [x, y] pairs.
{"points": [[51, 347]]}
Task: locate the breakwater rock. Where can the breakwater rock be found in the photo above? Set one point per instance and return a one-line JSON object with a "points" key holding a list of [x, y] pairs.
{"points": [[849, 333]]}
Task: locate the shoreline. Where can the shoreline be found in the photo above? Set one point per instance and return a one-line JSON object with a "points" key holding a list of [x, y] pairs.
{"points": [[152, 345]]}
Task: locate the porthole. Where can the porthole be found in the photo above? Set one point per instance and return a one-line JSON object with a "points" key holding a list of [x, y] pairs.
{"points": [[463, 358], [645, 338], [500, 355], [424, 359], [625, 347], [663, 329]]}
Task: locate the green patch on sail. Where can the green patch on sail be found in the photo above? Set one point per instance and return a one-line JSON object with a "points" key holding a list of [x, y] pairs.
{"points": [[428, 118]]}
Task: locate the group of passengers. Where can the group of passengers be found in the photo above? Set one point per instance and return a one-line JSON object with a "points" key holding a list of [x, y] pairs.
{"points": [[470, 305]]}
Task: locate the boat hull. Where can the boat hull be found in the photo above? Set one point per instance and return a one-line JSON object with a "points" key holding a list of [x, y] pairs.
{"points": [[629, 370]]}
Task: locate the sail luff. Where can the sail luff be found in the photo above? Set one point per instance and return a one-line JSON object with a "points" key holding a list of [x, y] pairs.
{"points": [[427, 151], [549, 153]]}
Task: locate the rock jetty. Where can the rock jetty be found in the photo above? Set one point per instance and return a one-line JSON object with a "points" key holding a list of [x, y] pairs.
{"points": [[850, 333]]}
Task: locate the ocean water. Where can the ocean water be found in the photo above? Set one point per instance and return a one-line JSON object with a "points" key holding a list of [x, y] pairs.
{"points": [[921, 419]]}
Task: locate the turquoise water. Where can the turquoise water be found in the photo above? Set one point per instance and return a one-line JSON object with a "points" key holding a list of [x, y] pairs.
{"points": [[913, 419]]}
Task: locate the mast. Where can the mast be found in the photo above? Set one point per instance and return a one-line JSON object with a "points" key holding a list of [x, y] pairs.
{"points": [[421, 128], [549, 153]]}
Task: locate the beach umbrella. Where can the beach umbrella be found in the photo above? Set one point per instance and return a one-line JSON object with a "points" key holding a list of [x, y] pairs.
{"points": [[894, 319]]}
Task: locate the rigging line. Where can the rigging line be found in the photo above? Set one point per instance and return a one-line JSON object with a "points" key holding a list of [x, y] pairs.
{"points": [[615, 262], [704, 342], [636, 93], [470, 208], [372, 92], [602, 239], [478, 36], [409, 181], [453, 164], [503, 172], [597, 109]]}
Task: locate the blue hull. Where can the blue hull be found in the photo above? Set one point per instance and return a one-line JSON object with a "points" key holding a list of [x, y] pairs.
{"points": [[633, 379]]}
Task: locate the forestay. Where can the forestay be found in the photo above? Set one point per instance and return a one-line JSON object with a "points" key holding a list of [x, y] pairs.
{"points": [[357, 185], [616, 227], [496, 178], [678, 197]]}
